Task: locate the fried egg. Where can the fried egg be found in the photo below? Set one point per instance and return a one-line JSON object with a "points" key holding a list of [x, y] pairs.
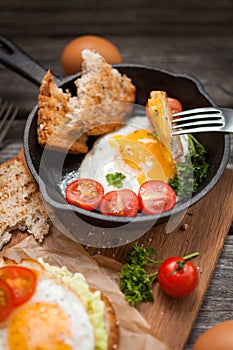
{"points": [[54, 318], [135, 151]]}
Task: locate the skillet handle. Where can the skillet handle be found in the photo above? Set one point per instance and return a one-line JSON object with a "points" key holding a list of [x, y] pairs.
{"points": [[17, 60]]}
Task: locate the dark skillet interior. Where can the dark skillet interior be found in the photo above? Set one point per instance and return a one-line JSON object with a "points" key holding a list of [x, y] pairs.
{"points": [[187, 89]]}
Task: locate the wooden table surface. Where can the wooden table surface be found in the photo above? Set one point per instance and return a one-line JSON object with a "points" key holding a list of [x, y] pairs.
{"points": [[192, 37]]}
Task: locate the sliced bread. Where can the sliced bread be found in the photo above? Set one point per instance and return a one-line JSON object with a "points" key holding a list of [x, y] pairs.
{"points": [[104, 95], [21, 205]]}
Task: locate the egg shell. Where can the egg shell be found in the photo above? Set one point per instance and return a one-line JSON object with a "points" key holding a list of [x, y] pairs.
{"points": [[219, 337], [71, 58]]}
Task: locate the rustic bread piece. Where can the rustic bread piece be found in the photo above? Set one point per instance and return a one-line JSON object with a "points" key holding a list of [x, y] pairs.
{"points": [[104, 95], [21, 206], [161, 116], [104, 99], [53, 123]]}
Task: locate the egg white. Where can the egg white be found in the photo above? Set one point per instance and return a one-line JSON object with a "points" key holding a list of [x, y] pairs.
{"points": [[103, 159], [50, 290]]}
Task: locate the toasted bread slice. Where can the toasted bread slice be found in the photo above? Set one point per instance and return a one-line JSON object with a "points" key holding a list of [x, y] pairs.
{"points": [[54, 129], [161, 116], [104, 98], [108, 92], [21, 205]]}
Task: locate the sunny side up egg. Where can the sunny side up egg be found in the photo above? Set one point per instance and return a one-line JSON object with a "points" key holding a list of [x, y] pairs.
{"points": [[135, 151], [54, 318]]}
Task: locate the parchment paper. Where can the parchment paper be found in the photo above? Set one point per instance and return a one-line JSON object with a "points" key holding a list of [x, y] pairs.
{"points": [[59, 250]]}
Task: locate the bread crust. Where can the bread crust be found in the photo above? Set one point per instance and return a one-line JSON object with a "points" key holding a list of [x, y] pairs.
{"points": [[112, 324]]}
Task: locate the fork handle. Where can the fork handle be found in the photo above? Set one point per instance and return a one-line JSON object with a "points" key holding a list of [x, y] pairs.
{"points": [[17, 60]]}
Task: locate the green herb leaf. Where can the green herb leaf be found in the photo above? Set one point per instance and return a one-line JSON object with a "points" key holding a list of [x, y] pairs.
{"points": [[115, 179], [192, 170], [136, 284], [139, 255]]}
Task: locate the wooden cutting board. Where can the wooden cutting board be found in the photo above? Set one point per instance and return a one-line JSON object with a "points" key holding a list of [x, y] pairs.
{"points": [[208, 223]]}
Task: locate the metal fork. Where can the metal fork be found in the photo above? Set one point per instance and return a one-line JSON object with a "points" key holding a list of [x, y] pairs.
{"points": [[204, 119], [8, 113]]}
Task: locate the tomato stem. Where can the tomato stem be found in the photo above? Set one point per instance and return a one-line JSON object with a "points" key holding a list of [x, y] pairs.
{"points": [[181, 264], [151, 261], [186, 257], [190, 256]]}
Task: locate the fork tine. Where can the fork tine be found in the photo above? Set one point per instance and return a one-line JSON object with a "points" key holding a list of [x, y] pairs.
{"points": [[9, 113], [2, 111], [195, 130], [199, 111], [198, 121], [204, 117]]}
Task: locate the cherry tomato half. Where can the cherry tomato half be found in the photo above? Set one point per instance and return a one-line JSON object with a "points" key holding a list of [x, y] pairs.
{"points": [[85, 193], [175, 105], [177, 277], [156, 197], [6, 300], [21, 280], [120, 203]]}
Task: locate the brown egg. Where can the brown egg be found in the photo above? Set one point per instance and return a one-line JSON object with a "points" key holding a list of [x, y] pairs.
{"points": [[219, 337], [71, 56]]}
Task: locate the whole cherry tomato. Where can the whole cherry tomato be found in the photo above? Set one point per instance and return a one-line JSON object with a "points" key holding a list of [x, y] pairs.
{"points": [[177, 277], [21, 280], [155, 197], [120, 203], [85, 193]]}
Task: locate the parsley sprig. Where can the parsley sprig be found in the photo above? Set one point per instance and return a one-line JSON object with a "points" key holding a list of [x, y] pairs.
{"points": [[135, 282], [115, 179]]}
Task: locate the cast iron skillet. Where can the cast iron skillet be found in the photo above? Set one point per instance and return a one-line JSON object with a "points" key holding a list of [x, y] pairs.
{"points": [[184, 87]]}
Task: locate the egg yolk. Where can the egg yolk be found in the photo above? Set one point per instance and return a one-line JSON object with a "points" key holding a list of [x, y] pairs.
{"points": [[143, 151], [39, 326]]}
